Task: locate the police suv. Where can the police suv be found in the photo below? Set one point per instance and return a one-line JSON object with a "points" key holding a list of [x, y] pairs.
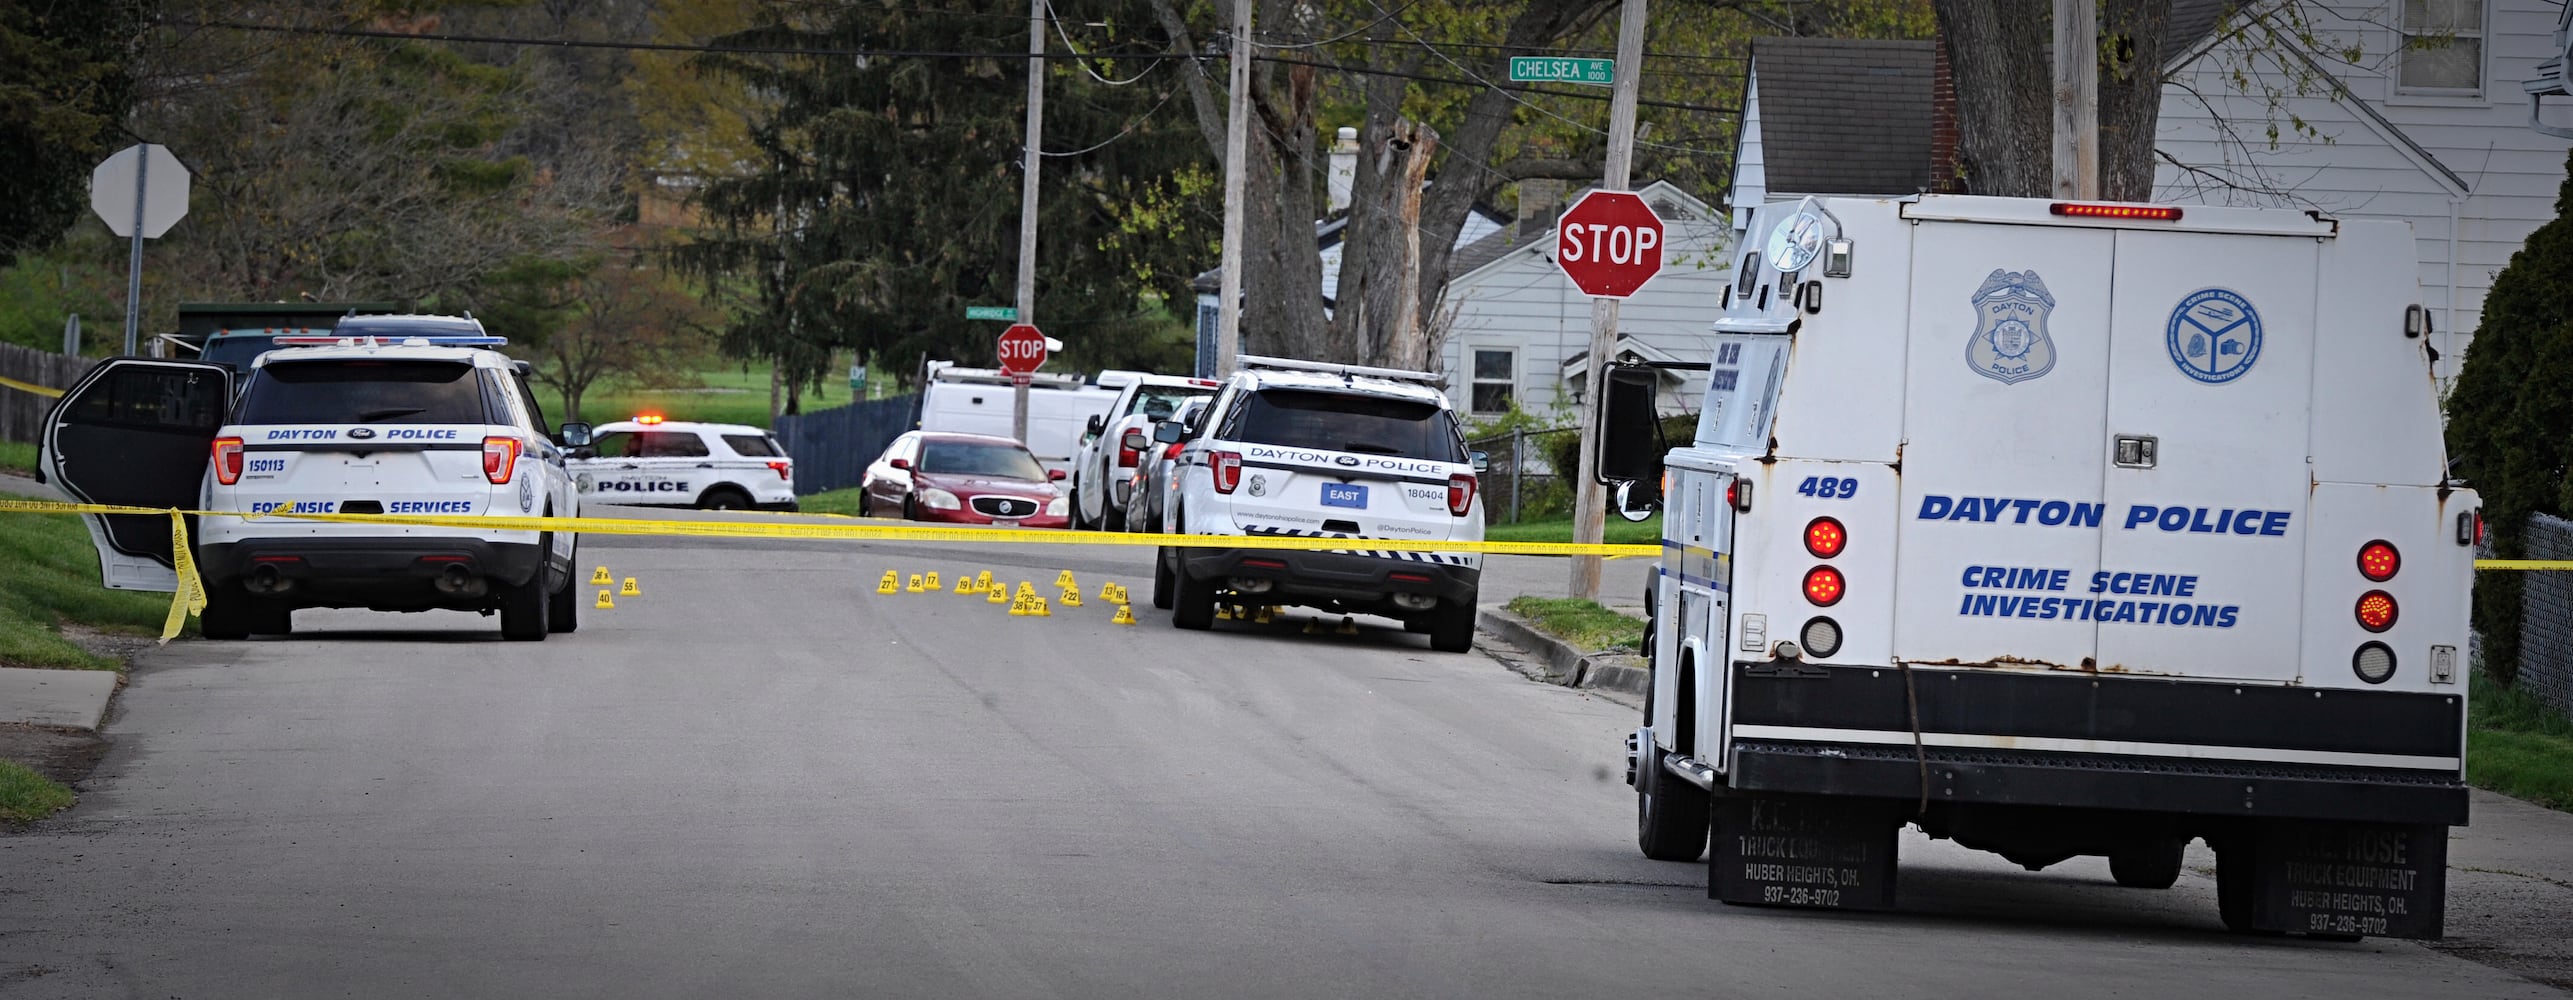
{"points": [[422, 426], [1327, 451], [653, 462], [2060, 529]]}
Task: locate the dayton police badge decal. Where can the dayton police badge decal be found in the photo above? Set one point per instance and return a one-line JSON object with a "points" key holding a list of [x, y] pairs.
{"points": [[2010, 344]]}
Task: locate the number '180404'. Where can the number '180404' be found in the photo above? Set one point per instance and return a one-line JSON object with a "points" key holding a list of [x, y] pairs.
{"points": [[1828, 487]]}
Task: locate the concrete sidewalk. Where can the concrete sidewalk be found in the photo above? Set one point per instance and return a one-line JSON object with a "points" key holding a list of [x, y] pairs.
{"points": [[75, 699]]}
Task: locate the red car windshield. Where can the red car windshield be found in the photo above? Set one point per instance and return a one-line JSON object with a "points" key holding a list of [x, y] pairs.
{"points": [[967, 458]]}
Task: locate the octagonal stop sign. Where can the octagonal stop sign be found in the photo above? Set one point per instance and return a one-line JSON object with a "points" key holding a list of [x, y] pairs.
{"points": [[1609, 243], [1022, 349]]}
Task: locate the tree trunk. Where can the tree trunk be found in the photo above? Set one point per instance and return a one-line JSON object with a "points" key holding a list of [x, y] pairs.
{"points": [[2130, 94], [1361, 302], [1406, 342], [2005, 117]]}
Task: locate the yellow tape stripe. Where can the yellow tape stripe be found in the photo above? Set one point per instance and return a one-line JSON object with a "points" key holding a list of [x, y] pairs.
{"points": [[881, 532], [2524, 564], [45, 391]]}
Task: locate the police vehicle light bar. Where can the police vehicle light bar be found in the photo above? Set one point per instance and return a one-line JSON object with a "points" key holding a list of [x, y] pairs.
{"points": [[2087, 210], [1344, 371], [371, 340], [647, 418]]}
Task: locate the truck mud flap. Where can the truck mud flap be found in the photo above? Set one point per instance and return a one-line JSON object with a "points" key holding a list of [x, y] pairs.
{"points": [[1804, 852], [2338, 879]]}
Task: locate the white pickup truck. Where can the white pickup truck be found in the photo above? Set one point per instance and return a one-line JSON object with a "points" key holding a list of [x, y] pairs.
{"points": [[2060, 529]]}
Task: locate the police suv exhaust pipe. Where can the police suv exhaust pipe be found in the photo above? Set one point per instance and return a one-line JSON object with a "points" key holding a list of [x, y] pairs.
{"points": [[455, 581], [266, 580], [1415, 602], [1252, 585]]}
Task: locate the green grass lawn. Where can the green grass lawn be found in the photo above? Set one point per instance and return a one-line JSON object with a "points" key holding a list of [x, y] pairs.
{"points": [[725, 394], [2518, 746], [832, 502], [26, 796], [17, 459], [1586, 625], [1620, 531], [49, 575]]}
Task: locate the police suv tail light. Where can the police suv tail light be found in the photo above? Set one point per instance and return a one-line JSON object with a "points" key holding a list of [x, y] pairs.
{"points": [[500, 458], [1824, 538], [1227, 466], [1126, 457], [1823, 586], [1460, 494], [2378, 560], [227, 460], [2377, 611], [784, 470]]}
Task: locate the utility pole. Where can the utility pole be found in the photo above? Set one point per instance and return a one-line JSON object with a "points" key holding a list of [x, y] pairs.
{"points": [[1237, 150], [1590, 500], [1027, 199], [2077, 99]]}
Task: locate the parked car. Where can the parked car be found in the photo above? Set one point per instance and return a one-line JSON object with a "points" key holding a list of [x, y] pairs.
{"points": [[1102, 471], [963, 479], [1149, 492], [651, 462]]}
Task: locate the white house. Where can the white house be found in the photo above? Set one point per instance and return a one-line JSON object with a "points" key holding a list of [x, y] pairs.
{"points": [[2435, 133], [1517, 330]]}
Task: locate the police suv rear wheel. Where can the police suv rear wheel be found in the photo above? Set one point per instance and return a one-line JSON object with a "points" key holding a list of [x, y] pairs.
{"points": [[523, 608], [229, 613], [724, 498], [564, 613], [1192, 602], [1163, 587], [1451, 627]]}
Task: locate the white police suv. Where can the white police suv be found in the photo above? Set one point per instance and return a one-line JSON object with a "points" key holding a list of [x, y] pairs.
{"points": [[442, 426], [1328, 451], [648, 461]]}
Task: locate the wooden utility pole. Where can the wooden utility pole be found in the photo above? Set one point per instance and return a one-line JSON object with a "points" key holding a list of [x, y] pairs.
{"points": [[1237, 150], [1027, 199], [2077, 99], [1590, 497]]}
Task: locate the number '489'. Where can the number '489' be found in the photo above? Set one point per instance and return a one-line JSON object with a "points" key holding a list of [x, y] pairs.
{"points": [[1828, 487]]}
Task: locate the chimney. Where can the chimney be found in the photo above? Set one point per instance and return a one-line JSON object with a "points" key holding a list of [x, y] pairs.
{"points": [[1943, 121], [1539, 198], [1344, 167]]}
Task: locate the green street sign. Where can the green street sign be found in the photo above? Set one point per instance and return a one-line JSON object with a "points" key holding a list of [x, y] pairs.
{"points": [[1555, 69], [1004, 313]]}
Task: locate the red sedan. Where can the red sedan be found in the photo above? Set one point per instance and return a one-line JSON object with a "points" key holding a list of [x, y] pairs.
{"points": [[963, 479]]}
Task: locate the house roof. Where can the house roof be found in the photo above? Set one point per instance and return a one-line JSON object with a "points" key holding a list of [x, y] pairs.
{"points": [[2189, 24], [1845, 116]]}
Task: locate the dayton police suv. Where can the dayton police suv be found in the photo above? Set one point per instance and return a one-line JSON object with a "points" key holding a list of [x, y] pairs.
{"points": [[653, 462], [422, 426], [1328, 451]]}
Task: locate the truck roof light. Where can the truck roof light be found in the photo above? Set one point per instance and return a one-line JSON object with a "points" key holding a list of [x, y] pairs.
{"points": [[647, 418], [2094, 210]]}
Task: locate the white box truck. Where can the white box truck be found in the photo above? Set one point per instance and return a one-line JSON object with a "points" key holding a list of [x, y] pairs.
{"points": [[981, 401], [2059, 529]]}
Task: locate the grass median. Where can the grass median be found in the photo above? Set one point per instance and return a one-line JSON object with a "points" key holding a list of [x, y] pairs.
{"points": [[26, 796], [1620, 531], [1586, 625], [49, 578], [17, 459], [2519, 746]]}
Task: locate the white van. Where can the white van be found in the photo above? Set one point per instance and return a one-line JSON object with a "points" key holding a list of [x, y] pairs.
{"points": [[2061, 529], [980, 401]]}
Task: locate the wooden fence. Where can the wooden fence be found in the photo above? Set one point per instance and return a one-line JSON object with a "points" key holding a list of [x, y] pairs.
{"points": [[22, 413]]}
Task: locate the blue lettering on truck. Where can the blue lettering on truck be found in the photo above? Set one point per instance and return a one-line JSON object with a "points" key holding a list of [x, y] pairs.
{"points": [[2087, 514], [2111, 608]]}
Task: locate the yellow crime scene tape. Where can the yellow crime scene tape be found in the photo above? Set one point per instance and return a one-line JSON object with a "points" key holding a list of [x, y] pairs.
{"points": [[45, 391]]}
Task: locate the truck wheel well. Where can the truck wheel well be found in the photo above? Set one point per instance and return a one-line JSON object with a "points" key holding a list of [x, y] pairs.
{"points": [[1684, 706]]}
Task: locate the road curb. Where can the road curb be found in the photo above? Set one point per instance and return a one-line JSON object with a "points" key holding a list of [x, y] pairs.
{"points": [[71, 699], [1612, 670]]}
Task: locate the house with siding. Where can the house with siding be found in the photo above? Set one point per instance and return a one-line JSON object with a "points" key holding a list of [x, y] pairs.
{"points": [[1514, 330], [2427, 124], [1840, 116]]}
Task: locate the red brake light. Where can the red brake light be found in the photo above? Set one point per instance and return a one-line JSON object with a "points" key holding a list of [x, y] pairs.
{"points": [[2377, 611], [1126, 458], [1460, 494], [2378, 560], [1227, 466], [500, 458], [2086, 210], [1824, 537], [1823, 586], [227, 460], [1172, 452], [785, 470]]}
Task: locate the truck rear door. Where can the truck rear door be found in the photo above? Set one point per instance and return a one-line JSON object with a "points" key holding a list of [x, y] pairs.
{"points": [[136, 432], [2005, 422], [2208, 410]]}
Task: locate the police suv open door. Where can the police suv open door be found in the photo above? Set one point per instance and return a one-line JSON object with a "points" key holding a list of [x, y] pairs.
{"points": [[136, 432]]}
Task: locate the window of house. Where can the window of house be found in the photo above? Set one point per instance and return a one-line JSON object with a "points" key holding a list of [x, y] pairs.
{"points": [[2443, 48], [1496, 380]]}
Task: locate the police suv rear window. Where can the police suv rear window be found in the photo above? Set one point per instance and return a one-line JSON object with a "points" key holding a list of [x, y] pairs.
{"points": [[1366, 425], [365, 392], [752, 445]]}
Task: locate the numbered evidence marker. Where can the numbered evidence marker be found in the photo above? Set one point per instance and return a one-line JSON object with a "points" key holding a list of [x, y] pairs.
{"points": [[891, 584]]}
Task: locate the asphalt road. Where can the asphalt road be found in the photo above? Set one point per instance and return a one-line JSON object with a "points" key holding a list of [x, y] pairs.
{"points": [[762, 779]]}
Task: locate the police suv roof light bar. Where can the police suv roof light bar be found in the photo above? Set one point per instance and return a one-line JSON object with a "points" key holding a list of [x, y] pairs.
{"points": [[376, 341], [1434, 379]]}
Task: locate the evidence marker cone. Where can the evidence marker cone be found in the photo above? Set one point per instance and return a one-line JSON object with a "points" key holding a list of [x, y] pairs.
{"points": [[983, 581], [1313, 626], [1125, 615], [606, 602], [890, 584], [1026, 591], [1348, 626], [1018, 608], [1040, 610], [916, 585], [1108, 591], [930, 583], [1223, 613], [996, 595], [1064, 581], [630, 589], [1072, 598], [1262, 616], [965, 584], [601, 578]]}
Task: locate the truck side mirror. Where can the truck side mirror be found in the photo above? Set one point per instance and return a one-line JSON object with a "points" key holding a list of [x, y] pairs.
{"points": [[574, 435], [1481, 461], [1098, 425], [1134, 441], [1630, 429], [1168, 432]]}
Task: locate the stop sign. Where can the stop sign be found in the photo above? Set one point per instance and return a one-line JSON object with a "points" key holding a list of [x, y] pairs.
{"points": [[1022, 349], [1609, 243]]}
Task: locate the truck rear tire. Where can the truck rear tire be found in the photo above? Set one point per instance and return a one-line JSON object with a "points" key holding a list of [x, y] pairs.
{"points": [[2148, 864], [1671, 815], [2237, 882]]}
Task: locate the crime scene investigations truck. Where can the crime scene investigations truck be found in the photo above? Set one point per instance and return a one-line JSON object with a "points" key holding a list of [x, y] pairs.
{"points": [[2059, 529]]}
